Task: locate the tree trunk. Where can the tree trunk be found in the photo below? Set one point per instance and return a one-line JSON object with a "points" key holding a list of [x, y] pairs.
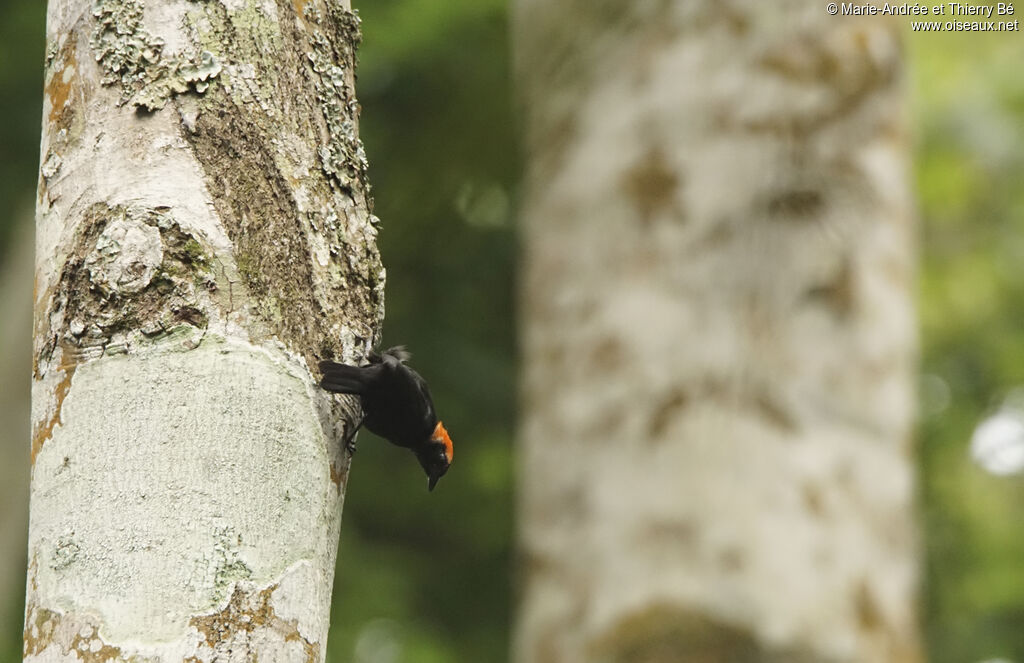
{"points": [[719, 339], [203, 238]]}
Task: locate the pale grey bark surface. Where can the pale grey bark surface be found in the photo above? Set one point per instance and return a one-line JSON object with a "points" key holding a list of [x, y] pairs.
{"points": [[203, 237], [718, 335]]}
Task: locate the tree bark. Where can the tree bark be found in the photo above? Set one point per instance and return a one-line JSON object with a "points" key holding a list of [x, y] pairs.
{"points": [[203, 238], [718, 335]]}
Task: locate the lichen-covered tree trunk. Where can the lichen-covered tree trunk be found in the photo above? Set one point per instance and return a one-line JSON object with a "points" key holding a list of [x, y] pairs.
{"points": [[718, 335], [203, 237]]}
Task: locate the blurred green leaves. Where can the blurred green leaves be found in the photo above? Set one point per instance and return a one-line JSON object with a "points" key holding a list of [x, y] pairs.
{"points": [[969, 118], [22, 34]]}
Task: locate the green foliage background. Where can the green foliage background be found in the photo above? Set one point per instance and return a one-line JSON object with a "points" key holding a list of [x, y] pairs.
{"points": [[429, 580], [968, 113]]}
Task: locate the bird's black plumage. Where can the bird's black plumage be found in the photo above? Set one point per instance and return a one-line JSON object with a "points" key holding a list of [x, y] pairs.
{"points": [[396, 406]]}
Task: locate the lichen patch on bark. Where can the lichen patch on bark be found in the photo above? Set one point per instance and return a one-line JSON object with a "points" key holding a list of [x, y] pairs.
{"points": [[62, 77], [333, 62], [76, 636], [248, 622], [250, 616], [133, 59]]}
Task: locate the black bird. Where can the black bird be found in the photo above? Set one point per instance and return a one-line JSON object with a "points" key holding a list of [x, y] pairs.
{"points": [[396, 406]]}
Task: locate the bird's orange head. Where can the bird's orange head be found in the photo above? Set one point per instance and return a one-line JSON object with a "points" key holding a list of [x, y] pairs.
{"points": [[436, 455]]}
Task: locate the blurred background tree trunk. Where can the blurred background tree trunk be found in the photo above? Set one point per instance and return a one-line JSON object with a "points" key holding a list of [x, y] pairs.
{"points": [[203, 237], [718, 335]]}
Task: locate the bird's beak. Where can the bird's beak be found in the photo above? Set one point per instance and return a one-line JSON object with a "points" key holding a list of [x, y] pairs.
{"points": [[431, 482]]}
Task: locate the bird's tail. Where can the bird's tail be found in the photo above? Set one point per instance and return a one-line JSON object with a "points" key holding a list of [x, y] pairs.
{"points": [[398, 352], [342, 378]]}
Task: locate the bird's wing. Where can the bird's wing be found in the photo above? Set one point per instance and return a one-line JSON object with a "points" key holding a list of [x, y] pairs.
{"points": [[429, 415]]}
